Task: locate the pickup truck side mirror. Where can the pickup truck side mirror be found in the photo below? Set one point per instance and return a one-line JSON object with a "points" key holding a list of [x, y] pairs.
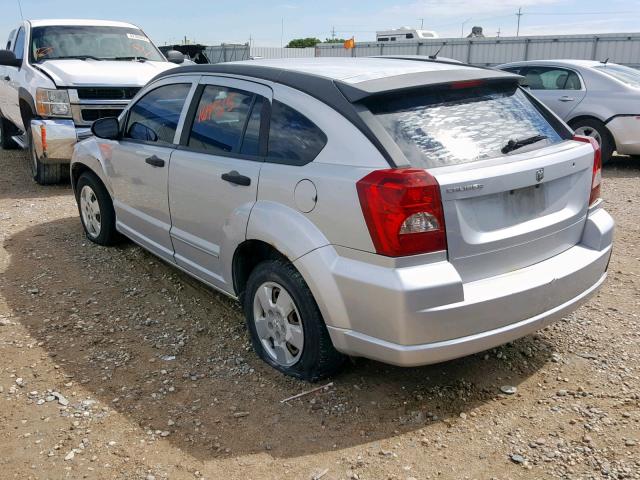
{"points": [[8, 59], [174, 56], [107, 128]]}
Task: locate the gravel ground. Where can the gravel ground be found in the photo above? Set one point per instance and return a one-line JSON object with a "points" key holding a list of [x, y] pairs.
{"points": [[115, 365]]}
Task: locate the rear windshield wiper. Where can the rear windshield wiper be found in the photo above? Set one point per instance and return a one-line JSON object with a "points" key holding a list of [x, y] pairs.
{"points": [[516, 144]]}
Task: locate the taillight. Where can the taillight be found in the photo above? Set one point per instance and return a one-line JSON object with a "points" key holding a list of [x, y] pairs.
{"points": [[596, 176], [403, 211]]}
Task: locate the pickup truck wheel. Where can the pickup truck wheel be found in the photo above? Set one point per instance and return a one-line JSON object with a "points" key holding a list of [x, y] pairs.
{"points": [[286, 327], [44, 174], [591, 127], [6, 131], [96, 210]]}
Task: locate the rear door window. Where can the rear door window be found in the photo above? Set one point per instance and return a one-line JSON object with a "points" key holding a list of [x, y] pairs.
{"points": [[220, 120], [293, 138], [448, 126], [551, 78]]}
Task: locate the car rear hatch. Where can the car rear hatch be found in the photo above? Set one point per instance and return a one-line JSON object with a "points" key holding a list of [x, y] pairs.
{"points": [[505, 207]]}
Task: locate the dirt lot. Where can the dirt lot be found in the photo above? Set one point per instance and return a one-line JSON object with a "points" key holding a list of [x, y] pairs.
{"points": [[114, 365]]}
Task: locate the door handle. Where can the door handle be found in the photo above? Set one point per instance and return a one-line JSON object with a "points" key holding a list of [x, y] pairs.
{"points": [[234, 177], [566, 99], [155, 161]]}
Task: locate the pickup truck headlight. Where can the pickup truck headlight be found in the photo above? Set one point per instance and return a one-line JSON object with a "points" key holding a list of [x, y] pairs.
{"points": [[52, 103]]}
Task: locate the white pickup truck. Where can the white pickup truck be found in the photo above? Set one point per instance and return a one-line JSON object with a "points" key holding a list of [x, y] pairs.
{"points": [[58, 76]]}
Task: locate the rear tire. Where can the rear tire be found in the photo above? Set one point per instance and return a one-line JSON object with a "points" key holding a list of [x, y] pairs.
{"points": [[43, 173], [7, 130], [296, 343], [592, 127], [96, 210]]}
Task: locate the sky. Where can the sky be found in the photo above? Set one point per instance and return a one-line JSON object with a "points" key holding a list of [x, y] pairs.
{"points": [[278, 21]]}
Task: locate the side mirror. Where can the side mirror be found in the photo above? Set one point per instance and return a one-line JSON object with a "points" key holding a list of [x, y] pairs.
{"points": [[174, 56], [8, 59], [107, 128]]}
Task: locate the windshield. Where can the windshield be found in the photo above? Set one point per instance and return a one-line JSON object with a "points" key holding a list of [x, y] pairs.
{"points": [[448, 126], [102, 43], [627, 75]]}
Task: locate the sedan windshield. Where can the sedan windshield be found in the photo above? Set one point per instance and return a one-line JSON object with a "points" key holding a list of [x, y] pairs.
{"points": [[91, 42], [627, 75]]}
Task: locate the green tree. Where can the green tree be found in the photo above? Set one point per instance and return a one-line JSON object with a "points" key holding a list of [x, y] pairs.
{"points": [[335, 40], [303, 42]]}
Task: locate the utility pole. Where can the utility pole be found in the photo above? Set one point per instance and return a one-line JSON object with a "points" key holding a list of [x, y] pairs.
{"points": [[519, 14], [333, 32], [462, 28], [498, 32], [421, 23]]}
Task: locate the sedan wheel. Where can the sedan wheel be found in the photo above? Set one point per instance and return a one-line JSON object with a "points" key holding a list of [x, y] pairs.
{"points": [[587, 131], [90, 210], [278, 324]]}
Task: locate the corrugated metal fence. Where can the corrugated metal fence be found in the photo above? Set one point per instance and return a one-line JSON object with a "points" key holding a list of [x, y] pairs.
{"points": [[227, 52], [277, 52], [621, 48]]}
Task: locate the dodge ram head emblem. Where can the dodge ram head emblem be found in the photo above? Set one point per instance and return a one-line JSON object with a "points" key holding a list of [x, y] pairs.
{"points": [[539, 174]]}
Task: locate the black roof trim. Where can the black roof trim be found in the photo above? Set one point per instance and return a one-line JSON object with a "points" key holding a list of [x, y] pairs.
{"points": [[322, 88]]}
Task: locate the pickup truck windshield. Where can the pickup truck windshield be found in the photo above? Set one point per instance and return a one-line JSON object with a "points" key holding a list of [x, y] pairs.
{"points": [[448, 126], [94, 42]]}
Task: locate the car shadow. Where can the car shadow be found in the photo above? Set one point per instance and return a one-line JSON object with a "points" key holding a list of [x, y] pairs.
{"points": [[622, 166], [174, 357], [20, 184]]}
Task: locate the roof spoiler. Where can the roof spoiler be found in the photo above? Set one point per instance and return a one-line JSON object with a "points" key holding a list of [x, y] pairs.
{"points": [[354, 92]]}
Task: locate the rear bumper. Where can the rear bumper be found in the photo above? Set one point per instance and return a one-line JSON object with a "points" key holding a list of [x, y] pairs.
{"points": [[54, 139], [626, 133], [425, 314]]}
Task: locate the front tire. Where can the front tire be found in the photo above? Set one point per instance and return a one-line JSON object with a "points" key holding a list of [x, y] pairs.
{"points": [[285, 324], [590, 127], [43, 173], [96, 210]]}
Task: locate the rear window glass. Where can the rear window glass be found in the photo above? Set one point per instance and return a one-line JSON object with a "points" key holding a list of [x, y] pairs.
{"points": [[628, 75], [293, 138], [441, 127]]}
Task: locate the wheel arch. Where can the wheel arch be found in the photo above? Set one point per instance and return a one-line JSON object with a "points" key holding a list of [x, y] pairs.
{"points": [[246, 258], [27, 107], [274, 230], [578, 118]]}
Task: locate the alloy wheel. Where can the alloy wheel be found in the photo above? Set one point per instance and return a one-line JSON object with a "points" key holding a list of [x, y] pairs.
{"points": [[278, 324], [90, 209], [589, 132]]}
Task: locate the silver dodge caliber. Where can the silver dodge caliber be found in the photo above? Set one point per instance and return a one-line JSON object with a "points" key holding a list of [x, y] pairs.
{"points": [[402, 210]]}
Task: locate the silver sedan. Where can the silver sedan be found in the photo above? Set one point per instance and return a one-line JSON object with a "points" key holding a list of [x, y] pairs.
{"points": [[596, 99]]}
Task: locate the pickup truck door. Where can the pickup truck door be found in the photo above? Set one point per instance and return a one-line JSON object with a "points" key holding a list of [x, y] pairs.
{"points": [[138, 164], [213, 177], [3, 74], [12, 78]]}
